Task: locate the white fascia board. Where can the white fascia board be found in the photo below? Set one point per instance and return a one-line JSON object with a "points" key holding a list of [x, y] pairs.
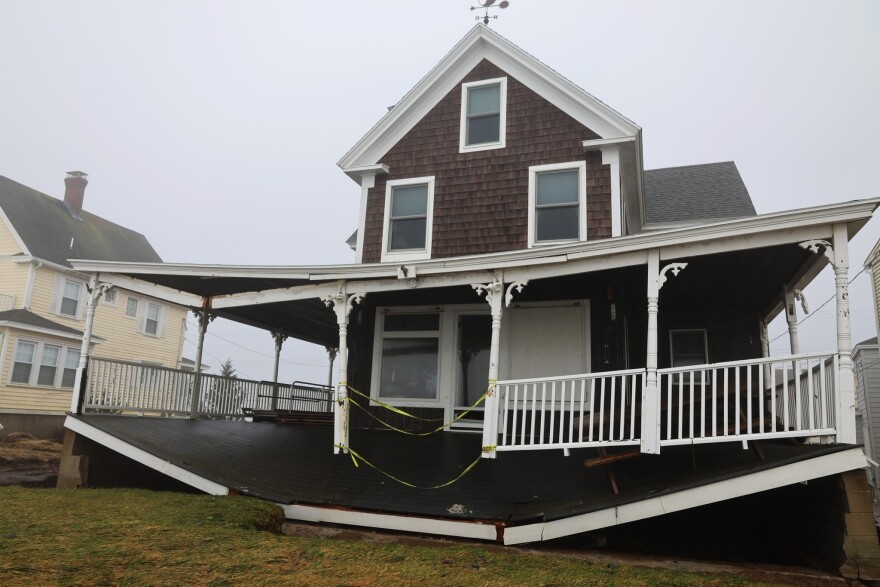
{"points": [[782, 476], [356, 173], [599, 144], [483, 43], [419, 525], [146, 288], [143, 457], [14, 232], [738, 233], [874, 256], [23, 259]]}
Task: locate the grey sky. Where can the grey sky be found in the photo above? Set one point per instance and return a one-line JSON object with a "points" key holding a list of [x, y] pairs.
{"points": [[214, 127]]}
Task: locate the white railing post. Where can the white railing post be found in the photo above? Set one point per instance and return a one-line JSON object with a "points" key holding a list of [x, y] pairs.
{"points": [[95, 291], [792, 321], [204, 317], [342, 305], [496, 298]]}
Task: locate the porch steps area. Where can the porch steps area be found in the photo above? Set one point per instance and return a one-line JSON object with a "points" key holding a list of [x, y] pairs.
{"points": [[501, 499]]}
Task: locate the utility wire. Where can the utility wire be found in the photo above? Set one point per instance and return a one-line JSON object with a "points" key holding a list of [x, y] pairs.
{"points": [[322, 364], [814, 312]]}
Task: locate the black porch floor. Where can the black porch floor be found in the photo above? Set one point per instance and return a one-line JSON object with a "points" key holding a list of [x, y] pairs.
{"points": [[294, 464]]}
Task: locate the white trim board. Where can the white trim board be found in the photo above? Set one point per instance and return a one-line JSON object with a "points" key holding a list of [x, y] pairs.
{"points": [[806, 470], [143, 457]]}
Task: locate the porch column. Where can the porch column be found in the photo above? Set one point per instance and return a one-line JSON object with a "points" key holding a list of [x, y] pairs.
{"points": [[204, 317], [765, 351], [331, 353], [96, 290], [846, 409], [496, 299], [791, 319], [279, 341], [651, 391], [342, 304]]}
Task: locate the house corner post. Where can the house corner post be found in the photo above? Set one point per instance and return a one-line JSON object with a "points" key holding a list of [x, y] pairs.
{"points": [[96, 290], [279, 342], [342, 304], [204, 317], [846, 418]]}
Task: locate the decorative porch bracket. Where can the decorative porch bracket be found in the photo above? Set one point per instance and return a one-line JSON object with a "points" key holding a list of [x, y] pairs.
{"points": [[96, 290], [650, 436], [204, 317], [279, 342], [342, 305], [495, 294], [838, 254]]}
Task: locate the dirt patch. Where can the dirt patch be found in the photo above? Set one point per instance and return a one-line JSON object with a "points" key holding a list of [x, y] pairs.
{"points": [[29, 461]]}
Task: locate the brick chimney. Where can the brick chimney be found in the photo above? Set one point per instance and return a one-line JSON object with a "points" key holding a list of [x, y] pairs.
{"points": [[74, 191]]}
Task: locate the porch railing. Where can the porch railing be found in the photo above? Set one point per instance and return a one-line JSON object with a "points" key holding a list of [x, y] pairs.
{"points": [[743, 400], [124, 387], [594, 409]]}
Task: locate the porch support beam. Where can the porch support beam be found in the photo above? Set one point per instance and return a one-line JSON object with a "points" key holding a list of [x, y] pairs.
{"points": [[846, 409], [160, 292], [342, 304], [792, 321], [96, 290], [279, 342], [204, 317], [331, 354], [497, 298]]}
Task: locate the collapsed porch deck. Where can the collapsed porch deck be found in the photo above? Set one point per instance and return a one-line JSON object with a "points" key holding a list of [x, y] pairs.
{"points": [[508, 499]]}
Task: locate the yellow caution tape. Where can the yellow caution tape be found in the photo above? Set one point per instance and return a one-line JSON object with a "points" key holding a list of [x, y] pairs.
{"points": [[410, 433], [392, 408], [355, 457]]}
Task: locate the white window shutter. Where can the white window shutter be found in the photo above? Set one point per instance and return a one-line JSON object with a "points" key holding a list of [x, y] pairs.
{"points": [[163, 320], [57, 292]]}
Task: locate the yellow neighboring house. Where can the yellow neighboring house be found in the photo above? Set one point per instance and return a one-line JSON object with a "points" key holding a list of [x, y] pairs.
{"points": [[43, 302]]}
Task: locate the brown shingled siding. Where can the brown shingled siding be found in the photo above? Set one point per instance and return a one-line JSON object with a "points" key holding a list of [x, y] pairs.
{"points": [[481, 198]]}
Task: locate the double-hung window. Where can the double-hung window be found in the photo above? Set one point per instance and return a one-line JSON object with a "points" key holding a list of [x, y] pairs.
{"points": [[483, 115], [688, 347], [24, 361], [409, 214], [68, 297], [131, 307], [153, 318], [48, 365], [71, 363], [406, 364], [557, 203]]}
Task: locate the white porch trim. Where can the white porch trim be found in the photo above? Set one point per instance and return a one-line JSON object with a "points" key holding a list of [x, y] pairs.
{"points": [[143, 457], [799, 472]]}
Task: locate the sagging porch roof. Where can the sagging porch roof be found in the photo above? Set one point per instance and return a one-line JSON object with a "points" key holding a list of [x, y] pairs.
{"points": [[287, 298]]}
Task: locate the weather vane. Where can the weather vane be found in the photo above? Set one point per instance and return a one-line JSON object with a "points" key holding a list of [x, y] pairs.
{"points": [[487, 5]]}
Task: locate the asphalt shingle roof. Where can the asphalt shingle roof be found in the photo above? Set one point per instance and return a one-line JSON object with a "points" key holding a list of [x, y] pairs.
{"points": [[28, 318], [47, 228], [696, 192]]}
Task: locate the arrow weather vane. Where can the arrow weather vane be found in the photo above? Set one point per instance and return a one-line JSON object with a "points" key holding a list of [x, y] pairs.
{"points": [[487, 5]]}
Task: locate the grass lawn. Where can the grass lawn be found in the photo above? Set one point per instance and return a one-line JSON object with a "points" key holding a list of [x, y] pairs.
{"points": [[135, 537]]}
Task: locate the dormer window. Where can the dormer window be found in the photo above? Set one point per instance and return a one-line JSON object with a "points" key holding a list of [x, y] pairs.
{"points": [[409, 210], [483, 115], [557, 203]]}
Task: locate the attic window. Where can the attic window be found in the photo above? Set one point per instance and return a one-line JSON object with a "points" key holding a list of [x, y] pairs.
{"points": [[483, 115]]}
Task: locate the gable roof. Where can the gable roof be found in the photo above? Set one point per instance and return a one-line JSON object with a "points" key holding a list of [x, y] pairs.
{"points": [[483, 43], [711, 191], [45, 226]]}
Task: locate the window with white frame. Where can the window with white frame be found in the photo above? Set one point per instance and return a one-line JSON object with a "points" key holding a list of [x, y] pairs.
{"points": [[131, 307], [68, 298], [153, 318], [409, 212], [406, 359], [56, 364], [483, 115], [688, 347], [557, 203]]}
